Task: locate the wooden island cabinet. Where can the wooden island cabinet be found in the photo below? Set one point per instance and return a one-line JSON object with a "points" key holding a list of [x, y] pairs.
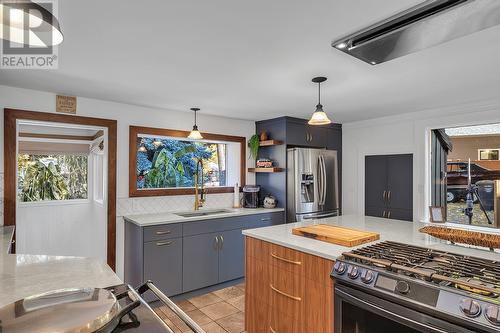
{"points": [[287, 291]]}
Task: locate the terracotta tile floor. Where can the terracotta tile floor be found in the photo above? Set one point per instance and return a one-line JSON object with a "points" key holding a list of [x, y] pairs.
{"points": [[221, 311]]}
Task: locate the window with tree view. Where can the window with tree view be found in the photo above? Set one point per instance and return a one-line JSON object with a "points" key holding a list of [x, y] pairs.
{"points": [[52, 177], [171, 163]]}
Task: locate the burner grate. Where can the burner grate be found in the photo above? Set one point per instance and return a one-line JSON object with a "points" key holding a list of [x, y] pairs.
{"points": [[473, 274]]}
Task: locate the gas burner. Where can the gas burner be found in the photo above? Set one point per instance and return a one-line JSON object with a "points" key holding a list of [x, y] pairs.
{"points": [[474, 275]]}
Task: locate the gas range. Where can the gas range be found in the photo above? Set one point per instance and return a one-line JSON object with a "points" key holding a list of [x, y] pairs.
{"points": [[428, 290]]}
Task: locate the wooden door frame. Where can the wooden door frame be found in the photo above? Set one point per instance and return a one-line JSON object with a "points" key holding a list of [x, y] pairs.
{"points": [[11, 116]]}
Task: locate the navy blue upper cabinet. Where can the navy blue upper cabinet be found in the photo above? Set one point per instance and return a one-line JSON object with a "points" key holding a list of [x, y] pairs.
{"points": [[299, 133]]}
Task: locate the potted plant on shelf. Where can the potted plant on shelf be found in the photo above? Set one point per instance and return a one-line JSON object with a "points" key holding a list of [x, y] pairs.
{"points": [[254, 144]]}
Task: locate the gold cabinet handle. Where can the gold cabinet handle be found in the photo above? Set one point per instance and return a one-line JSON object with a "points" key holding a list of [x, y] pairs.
{"points": [[384, 194], [389, 196], [271, 329], [163, 232], [286, 260], [295, 298], [389, 215], [163, 243], [383, 214]]}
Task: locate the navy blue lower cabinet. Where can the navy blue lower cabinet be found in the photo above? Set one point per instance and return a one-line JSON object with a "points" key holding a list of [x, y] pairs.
{"points": [[163, 264], [200, 261], [231, 255]]}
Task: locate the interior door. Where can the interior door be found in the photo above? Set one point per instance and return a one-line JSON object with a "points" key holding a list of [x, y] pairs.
{"points": [[375, 185], [400, 181]]}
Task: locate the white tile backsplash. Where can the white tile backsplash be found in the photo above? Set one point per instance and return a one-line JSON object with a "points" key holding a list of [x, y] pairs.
{"points": [[154, 205]]}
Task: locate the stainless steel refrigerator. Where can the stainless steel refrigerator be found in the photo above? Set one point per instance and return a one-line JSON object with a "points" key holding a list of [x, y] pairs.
{"points": [[312, 184]]}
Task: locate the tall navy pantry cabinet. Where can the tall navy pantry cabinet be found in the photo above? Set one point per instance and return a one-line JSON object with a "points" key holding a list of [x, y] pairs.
{"points": [[294, 132], [389, 186]]}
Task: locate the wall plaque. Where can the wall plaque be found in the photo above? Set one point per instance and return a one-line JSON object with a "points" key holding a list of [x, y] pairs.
{"points": [[66, 104]]}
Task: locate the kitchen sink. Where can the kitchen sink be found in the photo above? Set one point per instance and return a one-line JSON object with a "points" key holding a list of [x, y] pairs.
{"points": [[203, 213]]}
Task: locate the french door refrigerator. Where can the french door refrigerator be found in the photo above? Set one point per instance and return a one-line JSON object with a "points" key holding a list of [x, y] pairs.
{"points": [[312, 184]]}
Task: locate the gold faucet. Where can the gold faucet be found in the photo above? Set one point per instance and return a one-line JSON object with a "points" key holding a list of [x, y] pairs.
{"points": [[198, 201]]}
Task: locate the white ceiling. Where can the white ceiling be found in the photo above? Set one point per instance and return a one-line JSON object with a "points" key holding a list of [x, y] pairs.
{"points": [[255, 59]]}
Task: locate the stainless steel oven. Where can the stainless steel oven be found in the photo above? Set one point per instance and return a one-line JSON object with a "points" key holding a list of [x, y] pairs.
{"points": [[360, 312]]}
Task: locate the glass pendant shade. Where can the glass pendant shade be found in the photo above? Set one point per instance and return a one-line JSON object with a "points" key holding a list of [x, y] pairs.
{"points": [[195, 134], [142, 147], [17, 16], [319, 117]]}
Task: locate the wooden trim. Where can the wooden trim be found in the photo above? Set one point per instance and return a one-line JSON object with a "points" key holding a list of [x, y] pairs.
{"points": [[135, 130], [10, 166], [268, 143], [56, 136]]}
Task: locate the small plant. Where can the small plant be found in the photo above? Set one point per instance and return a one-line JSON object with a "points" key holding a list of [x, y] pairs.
{"points": [[254, 144]]}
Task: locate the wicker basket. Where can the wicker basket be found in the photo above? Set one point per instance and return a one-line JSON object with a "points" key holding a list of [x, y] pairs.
{"points": [[464, 236]]}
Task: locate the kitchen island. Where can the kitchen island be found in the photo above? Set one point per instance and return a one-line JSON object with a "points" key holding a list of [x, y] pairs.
{"points": [[288, 284], [23, 275]]}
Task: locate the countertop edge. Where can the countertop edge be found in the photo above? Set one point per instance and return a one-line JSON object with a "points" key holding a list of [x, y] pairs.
{"points": [[171, 218]]}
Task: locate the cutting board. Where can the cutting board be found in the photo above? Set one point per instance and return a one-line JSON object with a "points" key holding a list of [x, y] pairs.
{"points": [[337, 235]]}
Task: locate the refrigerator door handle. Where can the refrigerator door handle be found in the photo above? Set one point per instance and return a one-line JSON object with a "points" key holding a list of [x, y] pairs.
{"points": [[324, 179], [320, 181]]}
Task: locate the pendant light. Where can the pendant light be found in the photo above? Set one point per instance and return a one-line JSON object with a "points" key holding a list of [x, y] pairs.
{"points": [[142, 147], [16, 18], [157, 142], [319, 116], [195, 134]]}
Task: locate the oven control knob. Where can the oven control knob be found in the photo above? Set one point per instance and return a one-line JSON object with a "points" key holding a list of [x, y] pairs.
{"points": [[470, 307], [367, 276], [493, 314], [402, 287], [340, 267], [353, 272]]}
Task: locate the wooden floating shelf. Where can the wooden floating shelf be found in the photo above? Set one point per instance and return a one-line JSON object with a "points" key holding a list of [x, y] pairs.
{"points": [[270, 143], [265, 170]]}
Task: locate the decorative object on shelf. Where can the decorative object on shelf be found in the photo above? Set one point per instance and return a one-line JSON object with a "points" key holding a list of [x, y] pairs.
{"points": [[437, 214], [463, 236], [254, 144], [66, 104], [263, 136], [14, 16], [195, 134], [264, 163], [270, 201], [319, 116]]}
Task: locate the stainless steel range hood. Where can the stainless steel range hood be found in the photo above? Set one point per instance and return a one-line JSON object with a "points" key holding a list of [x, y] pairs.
{"points": [[428, 24]]}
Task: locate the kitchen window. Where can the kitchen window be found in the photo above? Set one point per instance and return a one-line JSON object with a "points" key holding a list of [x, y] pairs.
{"points": [[163, 162], [52, 177], [489, 154]]}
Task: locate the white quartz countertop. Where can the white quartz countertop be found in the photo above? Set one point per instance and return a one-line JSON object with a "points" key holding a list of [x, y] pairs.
{"points": [[389, 230], [22, 275], [172, 217]]}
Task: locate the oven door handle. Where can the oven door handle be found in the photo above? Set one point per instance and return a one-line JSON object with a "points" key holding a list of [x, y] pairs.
{"points": [[389, 314], [168, 302]]}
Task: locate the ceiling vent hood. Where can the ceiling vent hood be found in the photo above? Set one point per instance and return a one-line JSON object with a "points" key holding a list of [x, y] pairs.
{"points": [[428, 24]]}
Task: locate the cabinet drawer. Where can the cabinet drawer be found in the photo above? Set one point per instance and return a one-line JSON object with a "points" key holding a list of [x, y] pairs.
{"points": [[258, 278], [265, 220], [215, 225], [280, 322], [164, 231], [287, 259], [287, 291], [256, 315]]}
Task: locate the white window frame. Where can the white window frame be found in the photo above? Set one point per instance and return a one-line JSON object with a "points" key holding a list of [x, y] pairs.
{"points": [[490, 149]]}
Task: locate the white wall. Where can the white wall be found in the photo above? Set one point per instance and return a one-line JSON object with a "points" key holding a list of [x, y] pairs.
{"points": [[127, 115], [406, 133]]}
